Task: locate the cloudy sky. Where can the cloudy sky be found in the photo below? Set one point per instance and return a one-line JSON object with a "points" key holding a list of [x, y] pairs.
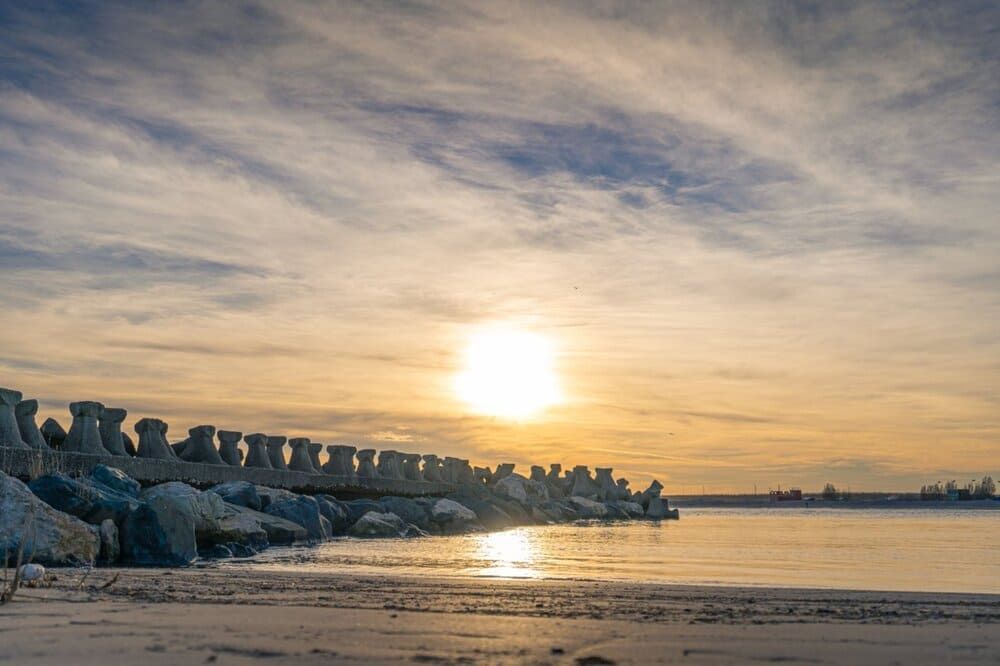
{"points": [[762, 237]]}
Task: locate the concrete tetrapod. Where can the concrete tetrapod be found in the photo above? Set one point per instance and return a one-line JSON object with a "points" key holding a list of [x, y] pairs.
{"points": [[257, 451], [411, 467], [366, 464], [300, 461], [229, 447], [25, 412], [503, 470], [483, 475], [109, 424], [554, 481], [607, 490], [583, 485], [464, 474], [341, 460], [432, 468], [53, 433], [314, 451], [538, 474], [623, 491], [389, 466], [10, 434], [276, 451], [201, 446], [84, 436], [151, 440]]}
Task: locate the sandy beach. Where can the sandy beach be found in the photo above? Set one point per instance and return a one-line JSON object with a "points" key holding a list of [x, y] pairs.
{"points": [[237, 615]]}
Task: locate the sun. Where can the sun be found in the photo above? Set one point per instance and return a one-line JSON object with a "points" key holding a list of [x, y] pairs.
{"points": [[509, 373]]}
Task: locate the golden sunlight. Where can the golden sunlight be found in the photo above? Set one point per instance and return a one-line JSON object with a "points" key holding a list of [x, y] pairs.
{"points": [[508, 372]]}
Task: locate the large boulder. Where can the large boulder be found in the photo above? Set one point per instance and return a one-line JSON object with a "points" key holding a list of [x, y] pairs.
{"points": [[588, 508], [407, 509], [301, 510], [242, 493], [50, 537], [450, 517], [490, 515], [268, 495], [166, 529], [359, 507], [336, 512], [278, 530], [630, 509], [116, 479], [375, 525], [236, 527], [110, 543], [522, 490], [88, 500]]}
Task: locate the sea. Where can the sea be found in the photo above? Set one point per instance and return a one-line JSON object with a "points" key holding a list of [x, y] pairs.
{"points": [[916, 549]]}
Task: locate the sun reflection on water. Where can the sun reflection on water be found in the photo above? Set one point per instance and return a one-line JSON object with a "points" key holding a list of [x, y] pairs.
{"points": [[510, 554]]}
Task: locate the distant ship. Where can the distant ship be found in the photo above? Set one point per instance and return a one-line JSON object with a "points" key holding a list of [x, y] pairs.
{"points": [[791, 495]]}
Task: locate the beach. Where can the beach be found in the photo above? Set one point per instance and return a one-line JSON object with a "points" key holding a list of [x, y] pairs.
{"points": [[241, 614]]}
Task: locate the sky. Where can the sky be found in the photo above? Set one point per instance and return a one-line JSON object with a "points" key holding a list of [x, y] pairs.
{"points": [[762, 238]]}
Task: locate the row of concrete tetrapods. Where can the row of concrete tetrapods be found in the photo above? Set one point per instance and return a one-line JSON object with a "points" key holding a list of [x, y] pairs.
{"points": [[96, 429]]}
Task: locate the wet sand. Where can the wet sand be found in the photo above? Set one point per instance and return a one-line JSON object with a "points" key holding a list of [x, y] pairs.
{"points": [[236, 615]]}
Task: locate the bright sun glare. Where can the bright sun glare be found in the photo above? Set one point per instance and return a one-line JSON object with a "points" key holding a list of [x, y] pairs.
{"points": [[509, 373]]}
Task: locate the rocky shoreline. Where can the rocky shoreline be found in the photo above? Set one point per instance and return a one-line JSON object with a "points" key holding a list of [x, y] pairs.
{"points": [[98, 514]]}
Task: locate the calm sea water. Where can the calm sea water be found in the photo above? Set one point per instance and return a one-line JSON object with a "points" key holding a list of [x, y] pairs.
{"points": [[936, 550]]}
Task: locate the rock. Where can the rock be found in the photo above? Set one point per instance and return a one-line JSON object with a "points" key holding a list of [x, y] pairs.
{"points": [[257, 451], [359, 507], [335, 512], [31, 573], [86, 499], [615, 511], [240, 550], [301, 510], [490, 515], [166, 528], [229, 447], [10, 434], [408, 510], [51, 537], [110, 545], [375, 525], [84, 435], [550, 512], [116, 480], [53, 433], [278, 530], [268, 495], [25, 412], [454, 518], [216, 552], [513, 509], [242, 493], [236, 527], [109, 426], [588, 508], [631, 509], [518, 488]]}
